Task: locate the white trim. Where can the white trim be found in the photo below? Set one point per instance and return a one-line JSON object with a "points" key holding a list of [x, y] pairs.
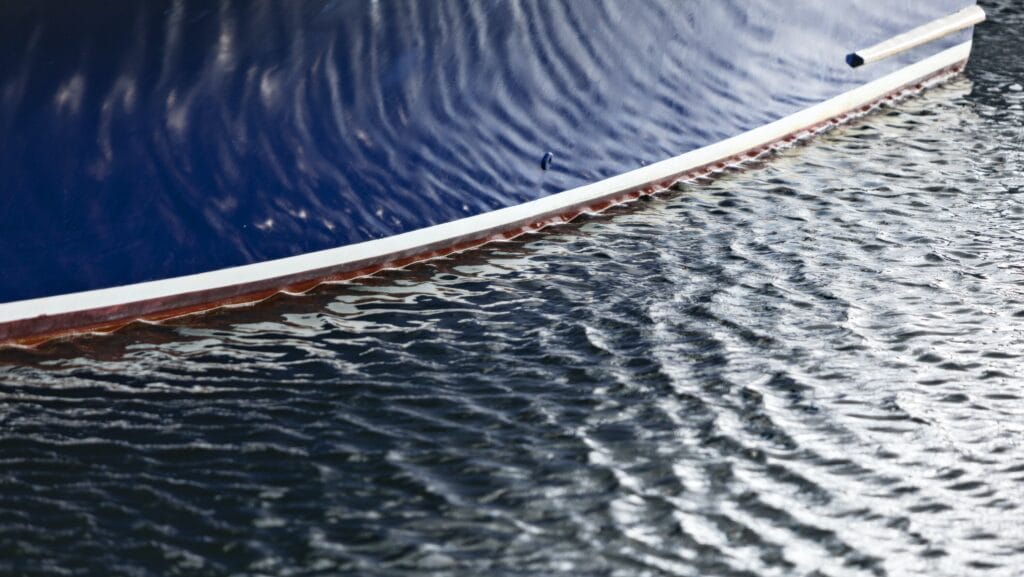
{"points": [[496, 220], [923, 34]]}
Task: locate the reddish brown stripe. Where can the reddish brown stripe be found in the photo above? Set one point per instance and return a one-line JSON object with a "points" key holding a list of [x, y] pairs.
{"points": [[37, 330]]}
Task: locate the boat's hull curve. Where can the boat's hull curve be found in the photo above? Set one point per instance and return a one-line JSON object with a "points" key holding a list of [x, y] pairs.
{"points": [[142, 142]]}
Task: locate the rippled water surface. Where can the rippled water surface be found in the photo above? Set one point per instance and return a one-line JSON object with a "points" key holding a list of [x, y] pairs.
{"points": [[808, 367]]}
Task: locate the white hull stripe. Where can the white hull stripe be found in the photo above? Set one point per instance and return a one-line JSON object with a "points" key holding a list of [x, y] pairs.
{"points": [[356, 256]]}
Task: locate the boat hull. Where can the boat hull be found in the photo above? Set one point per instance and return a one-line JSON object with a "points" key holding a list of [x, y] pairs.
{"points": [[235, 150]]}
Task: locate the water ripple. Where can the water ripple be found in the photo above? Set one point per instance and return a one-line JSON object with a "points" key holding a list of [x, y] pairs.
{"points": [[810, 366]]}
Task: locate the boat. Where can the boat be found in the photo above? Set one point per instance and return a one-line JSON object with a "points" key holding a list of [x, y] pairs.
{"points": [[166, 157]]}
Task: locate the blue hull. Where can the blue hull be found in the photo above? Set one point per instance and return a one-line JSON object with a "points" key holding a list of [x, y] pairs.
{"points": [[143, 141]]}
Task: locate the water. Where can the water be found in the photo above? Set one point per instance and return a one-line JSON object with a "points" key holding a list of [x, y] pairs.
{"points": [[808, 367]]}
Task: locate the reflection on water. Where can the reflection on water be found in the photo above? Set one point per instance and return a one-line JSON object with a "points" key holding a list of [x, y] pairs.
{"points": [[239, 131], [810, 367]]}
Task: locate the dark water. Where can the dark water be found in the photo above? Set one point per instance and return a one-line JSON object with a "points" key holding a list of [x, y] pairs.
{"points": [[810, 367]]}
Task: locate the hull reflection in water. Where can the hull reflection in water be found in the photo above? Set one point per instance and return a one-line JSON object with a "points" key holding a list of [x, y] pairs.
{"points": [[164, 157]]}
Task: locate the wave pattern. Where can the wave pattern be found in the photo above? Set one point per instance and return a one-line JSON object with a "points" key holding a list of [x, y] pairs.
{"points": [[142, 141], [808, 367]]}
